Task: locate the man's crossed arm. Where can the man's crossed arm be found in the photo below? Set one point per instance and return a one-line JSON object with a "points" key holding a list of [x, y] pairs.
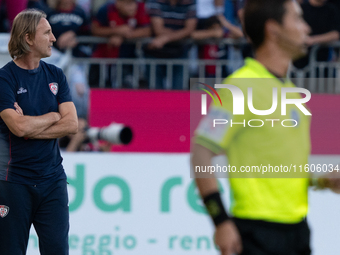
{"points": [[48, 126]]}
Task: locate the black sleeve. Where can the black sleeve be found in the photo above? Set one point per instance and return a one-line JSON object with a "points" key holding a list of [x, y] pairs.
{"points": [[334, 18], [7, 95]]}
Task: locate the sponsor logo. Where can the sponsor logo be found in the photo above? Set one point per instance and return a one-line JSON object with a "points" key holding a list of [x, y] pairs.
{"points": [[3, 211], [204, 97], [53, 87], [21, 90], [238, 100]]}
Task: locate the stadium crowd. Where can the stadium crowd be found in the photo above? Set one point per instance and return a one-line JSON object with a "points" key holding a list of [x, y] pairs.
{"points": [[168, 23]]}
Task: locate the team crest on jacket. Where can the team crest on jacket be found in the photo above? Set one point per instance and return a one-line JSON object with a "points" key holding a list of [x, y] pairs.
{"points": [[53, 87], [3, 211]]}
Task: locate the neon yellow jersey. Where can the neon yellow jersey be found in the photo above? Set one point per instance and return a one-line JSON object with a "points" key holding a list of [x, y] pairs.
{"points": [[272, 197]]}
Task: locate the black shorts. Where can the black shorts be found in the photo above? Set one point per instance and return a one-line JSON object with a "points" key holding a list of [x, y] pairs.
{"points": [[266, 238]]}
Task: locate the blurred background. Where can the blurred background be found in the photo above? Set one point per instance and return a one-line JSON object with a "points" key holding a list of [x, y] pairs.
{"points": [[130, 62]]}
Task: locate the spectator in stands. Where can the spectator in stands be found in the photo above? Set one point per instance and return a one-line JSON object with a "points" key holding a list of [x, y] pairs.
{"points": [[68, 20], [13, 7], [323, 18], [212, 23], [119, 21], [208, 24], [79, 89], [43, 4], [171, 21], [209, 27]]}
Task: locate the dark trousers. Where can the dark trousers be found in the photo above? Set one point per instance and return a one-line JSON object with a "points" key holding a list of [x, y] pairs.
{"points": [[266, 238], [44, 206]]}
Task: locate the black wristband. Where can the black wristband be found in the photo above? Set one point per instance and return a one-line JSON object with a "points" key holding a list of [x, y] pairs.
{"points": [[215, 208]]}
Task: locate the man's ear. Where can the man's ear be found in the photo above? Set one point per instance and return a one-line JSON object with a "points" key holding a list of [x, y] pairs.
{"points": [[272, 29], [28, 39]]}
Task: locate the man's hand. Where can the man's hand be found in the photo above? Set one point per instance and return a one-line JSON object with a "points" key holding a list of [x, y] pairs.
{"points": [[18, 109], [115, 40], [323, 38], [67, 40], [68, 124], [122, 30], [310, 41], [228, 239], [158, 42]]}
